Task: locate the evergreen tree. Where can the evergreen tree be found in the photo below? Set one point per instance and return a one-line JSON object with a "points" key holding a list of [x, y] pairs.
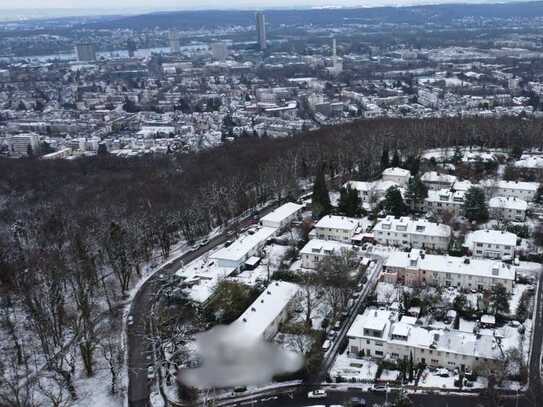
{"points": [[393, 203], [349, 202], [321, 199], [457, 157], [102, 149], [500, 299], [416, 192], [385, 159], [396, 160], [475, 207]]}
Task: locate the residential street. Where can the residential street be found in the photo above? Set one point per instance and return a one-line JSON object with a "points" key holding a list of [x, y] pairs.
{"points": [[138, 384]]}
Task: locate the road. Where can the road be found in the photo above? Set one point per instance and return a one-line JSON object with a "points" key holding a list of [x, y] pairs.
{"points": [[331, 354], [300, 399], [138, 385], [535, 391]]}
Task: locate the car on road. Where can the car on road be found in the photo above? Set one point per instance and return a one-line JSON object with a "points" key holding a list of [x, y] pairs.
{"points": [[358, 402], [204, 242], [228, 243], [378, 388], [150, 372], [326, 345], [317, 394], [130, 320]]}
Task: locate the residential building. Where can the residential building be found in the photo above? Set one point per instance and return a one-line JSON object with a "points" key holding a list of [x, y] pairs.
{"points": [[493, 244], [435, 181], [508, 208], [409, 233], [416, 268], [371, 193], [316, 250], [282, 216], [339, 228], [233, 256], [444, 200], [369, 332], [261, 320], [22, 144], [512, 189], [379, 334], [397, 175]]}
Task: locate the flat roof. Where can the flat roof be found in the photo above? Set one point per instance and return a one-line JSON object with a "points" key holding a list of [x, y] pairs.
{"points": [[283, 212], [243, 245], [491, 237], [337, 222], [266, 308]]}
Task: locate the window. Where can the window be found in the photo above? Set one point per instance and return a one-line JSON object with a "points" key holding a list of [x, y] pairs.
{"points": [[379, 353]]}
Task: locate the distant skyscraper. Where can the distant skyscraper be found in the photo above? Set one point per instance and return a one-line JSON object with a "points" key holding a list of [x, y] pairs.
{"points": [[174, 42], [261, 30], [219, 50], [131, 46], [86, 51]]}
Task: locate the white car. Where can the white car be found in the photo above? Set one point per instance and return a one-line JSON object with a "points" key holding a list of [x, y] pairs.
{"points": [[150, 373], [130, 320], [317, 394]]}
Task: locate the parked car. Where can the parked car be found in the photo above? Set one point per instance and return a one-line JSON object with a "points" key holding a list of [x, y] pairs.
{"points": [[378, 388], [130, 320], [317, 394], [442, 373], [150, 372], [326, 345]]}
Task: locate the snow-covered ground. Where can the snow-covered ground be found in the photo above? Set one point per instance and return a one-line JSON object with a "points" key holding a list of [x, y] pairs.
{"points": [[515, 298], [433, 380], [349, 368]]}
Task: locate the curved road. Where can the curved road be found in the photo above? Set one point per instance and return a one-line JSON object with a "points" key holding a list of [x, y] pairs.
{"points": [[139, 386]]}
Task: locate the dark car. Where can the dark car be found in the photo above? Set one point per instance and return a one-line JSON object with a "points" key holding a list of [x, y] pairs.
{"points": [[358, 402]]}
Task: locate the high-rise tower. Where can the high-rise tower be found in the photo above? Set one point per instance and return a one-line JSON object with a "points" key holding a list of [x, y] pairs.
{"points": [[261, 30]]}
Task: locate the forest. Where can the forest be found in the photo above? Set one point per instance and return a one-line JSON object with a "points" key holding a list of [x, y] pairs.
{"points": [[74, 235]]}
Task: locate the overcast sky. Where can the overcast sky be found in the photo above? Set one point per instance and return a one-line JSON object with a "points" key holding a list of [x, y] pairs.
{"points": [[191, 4]]}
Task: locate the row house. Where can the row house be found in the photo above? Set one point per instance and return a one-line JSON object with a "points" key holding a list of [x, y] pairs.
{"points": [[407, 233]]}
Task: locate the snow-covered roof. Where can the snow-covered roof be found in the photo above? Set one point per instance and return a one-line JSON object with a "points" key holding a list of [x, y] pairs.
{"points": [[266, 308], [445, 195], [400, 329], [491, 237], [416, 227], [374, 319], [243, 245], [338, 222], [512, 185], [396, 172], [317, 246], [462, 185], [508, 203], [376, 186], [450, 264], [488, 319], [434, 176], [283, 212]]}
